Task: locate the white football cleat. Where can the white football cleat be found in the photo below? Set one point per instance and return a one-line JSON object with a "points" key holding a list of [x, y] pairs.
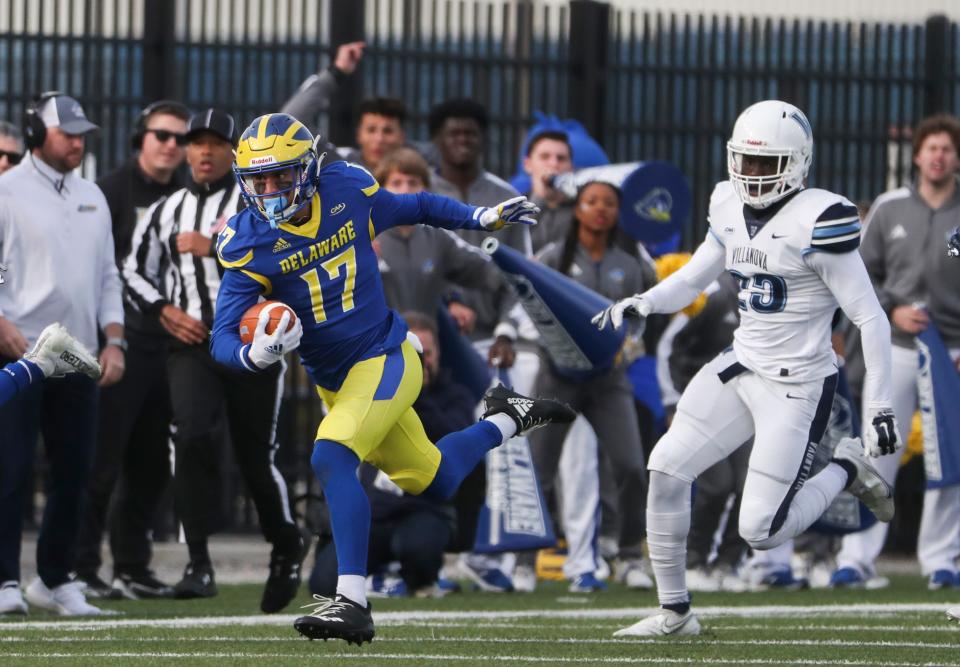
{"points": [[66, 599], [953, 614], [524, 579], [11, 599], [868, 486], [664, 622], [57, 353]]}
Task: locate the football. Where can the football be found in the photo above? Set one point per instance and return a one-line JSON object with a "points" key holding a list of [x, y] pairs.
{"points": [[248, 323]]}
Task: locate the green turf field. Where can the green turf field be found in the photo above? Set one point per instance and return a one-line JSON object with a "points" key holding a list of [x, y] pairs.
{"points": [[902, 625]]}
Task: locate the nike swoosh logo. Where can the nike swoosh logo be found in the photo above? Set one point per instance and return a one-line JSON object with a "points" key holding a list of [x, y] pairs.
{"points": [[670, 628], [799, 398], [781, 236]]}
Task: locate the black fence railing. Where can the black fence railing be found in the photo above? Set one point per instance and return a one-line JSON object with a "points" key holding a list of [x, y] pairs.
{"points": [[646, 85]]}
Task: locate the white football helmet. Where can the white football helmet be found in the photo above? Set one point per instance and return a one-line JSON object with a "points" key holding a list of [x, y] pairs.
{"points": [[776, 129]]}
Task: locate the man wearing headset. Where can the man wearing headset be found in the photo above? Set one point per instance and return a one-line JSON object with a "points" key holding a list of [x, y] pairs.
{"points": [[55, 241], [134, 426]]}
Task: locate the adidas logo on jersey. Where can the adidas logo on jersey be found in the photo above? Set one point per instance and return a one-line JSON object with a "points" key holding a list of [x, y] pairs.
{"points": [[522, 405], [897, 233], [281, 245]]}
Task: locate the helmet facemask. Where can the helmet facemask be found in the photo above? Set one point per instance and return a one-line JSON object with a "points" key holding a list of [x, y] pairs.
{"points": [[296, 185], [761, 190]]}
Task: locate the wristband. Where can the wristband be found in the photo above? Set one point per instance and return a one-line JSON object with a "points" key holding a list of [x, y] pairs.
{"points": [[116, 341]]}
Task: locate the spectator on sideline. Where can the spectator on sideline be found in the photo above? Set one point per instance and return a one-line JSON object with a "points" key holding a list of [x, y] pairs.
{"points": [[916, 282], [134, 427], [11, 146], [200, 388], [56, 244], [590, 256], [549, 154]]}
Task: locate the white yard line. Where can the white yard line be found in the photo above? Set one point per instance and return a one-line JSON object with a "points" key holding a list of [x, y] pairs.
{"points": [[404, 617], [681, 641], [418, 657]]}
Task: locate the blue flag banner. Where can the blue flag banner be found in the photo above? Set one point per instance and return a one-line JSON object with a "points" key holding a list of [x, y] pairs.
{"points": [[845, 514], [514, 516], [561, 309], [655, 201], [458, 354], [938, 387]]}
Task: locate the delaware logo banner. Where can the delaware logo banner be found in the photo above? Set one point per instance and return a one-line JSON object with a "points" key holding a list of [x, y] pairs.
{"points": [[514, 516], [938, 387]]}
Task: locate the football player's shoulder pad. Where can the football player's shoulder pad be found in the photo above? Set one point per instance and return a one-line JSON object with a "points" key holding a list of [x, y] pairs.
{"points": [[834, 221]]}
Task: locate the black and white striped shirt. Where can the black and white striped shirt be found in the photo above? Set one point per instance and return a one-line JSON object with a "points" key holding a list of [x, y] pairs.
{"points": [[155, 273]]}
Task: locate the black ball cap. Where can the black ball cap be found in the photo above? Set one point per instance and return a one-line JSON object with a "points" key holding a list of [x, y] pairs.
{"points": [[218, 122]]}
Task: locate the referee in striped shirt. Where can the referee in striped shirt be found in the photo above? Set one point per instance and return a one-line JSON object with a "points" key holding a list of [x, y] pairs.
{"points": [[172, 273]]}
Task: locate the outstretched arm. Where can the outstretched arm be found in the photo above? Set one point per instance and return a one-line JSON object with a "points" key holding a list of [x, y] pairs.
{"points": [[390, 210], [675, 292]]}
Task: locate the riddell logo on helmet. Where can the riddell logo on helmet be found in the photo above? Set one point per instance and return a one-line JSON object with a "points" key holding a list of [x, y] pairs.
{"points": [[754, 142], [266, 159]]}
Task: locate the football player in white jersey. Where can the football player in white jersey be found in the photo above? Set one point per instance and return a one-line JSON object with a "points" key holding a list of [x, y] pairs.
{"points": [[794, 252]]}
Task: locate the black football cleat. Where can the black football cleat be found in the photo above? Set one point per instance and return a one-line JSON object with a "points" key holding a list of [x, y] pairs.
{"points": [[337, 618], [140, 584], [527, 413], [284, 579], [197, 582]]}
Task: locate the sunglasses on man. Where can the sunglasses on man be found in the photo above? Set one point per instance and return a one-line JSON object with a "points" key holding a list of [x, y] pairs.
{"points": [[163, 136], [12, 158]]}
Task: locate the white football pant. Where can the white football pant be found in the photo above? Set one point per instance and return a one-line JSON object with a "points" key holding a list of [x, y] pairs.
{"points": [[722, 407]]}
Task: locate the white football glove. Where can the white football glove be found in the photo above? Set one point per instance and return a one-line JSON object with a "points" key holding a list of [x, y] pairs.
{"points": [[267, 349], [511, 212], [57, 353], [635, 305], [881, 436]]}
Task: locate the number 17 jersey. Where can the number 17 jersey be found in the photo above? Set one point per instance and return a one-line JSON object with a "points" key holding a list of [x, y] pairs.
{"points": [[786, 308]]}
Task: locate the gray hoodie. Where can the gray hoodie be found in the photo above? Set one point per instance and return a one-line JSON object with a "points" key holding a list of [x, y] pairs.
{"points": [[904, 248]]}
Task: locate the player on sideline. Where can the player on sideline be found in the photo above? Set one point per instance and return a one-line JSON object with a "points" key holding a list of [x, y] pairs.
{"points": [[306, 239], [55, 354], [794, 253]]}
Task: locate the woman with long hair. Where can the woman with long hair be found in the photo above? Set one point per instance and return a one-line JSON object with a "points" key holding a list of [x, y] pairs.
{"points": [[590, 255]]}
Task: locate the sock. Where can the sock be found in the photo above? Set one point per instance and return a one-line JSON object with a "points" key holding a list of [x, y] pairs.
{"points": [[460, 452], [508, 427], [667, 530], [353, 587], [679, 607], [336, 468], [198, 552], [849, 468]]}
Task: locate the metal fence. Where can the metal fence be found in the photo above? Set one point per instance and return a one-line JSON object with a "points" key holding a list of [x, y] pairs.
{"points": [[646, 85]]}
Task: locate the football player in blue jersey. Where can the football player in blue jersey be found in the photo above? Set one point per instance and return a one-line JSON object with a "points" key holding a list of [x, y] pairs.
{"points": [[305, 239], [55, 354]]}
